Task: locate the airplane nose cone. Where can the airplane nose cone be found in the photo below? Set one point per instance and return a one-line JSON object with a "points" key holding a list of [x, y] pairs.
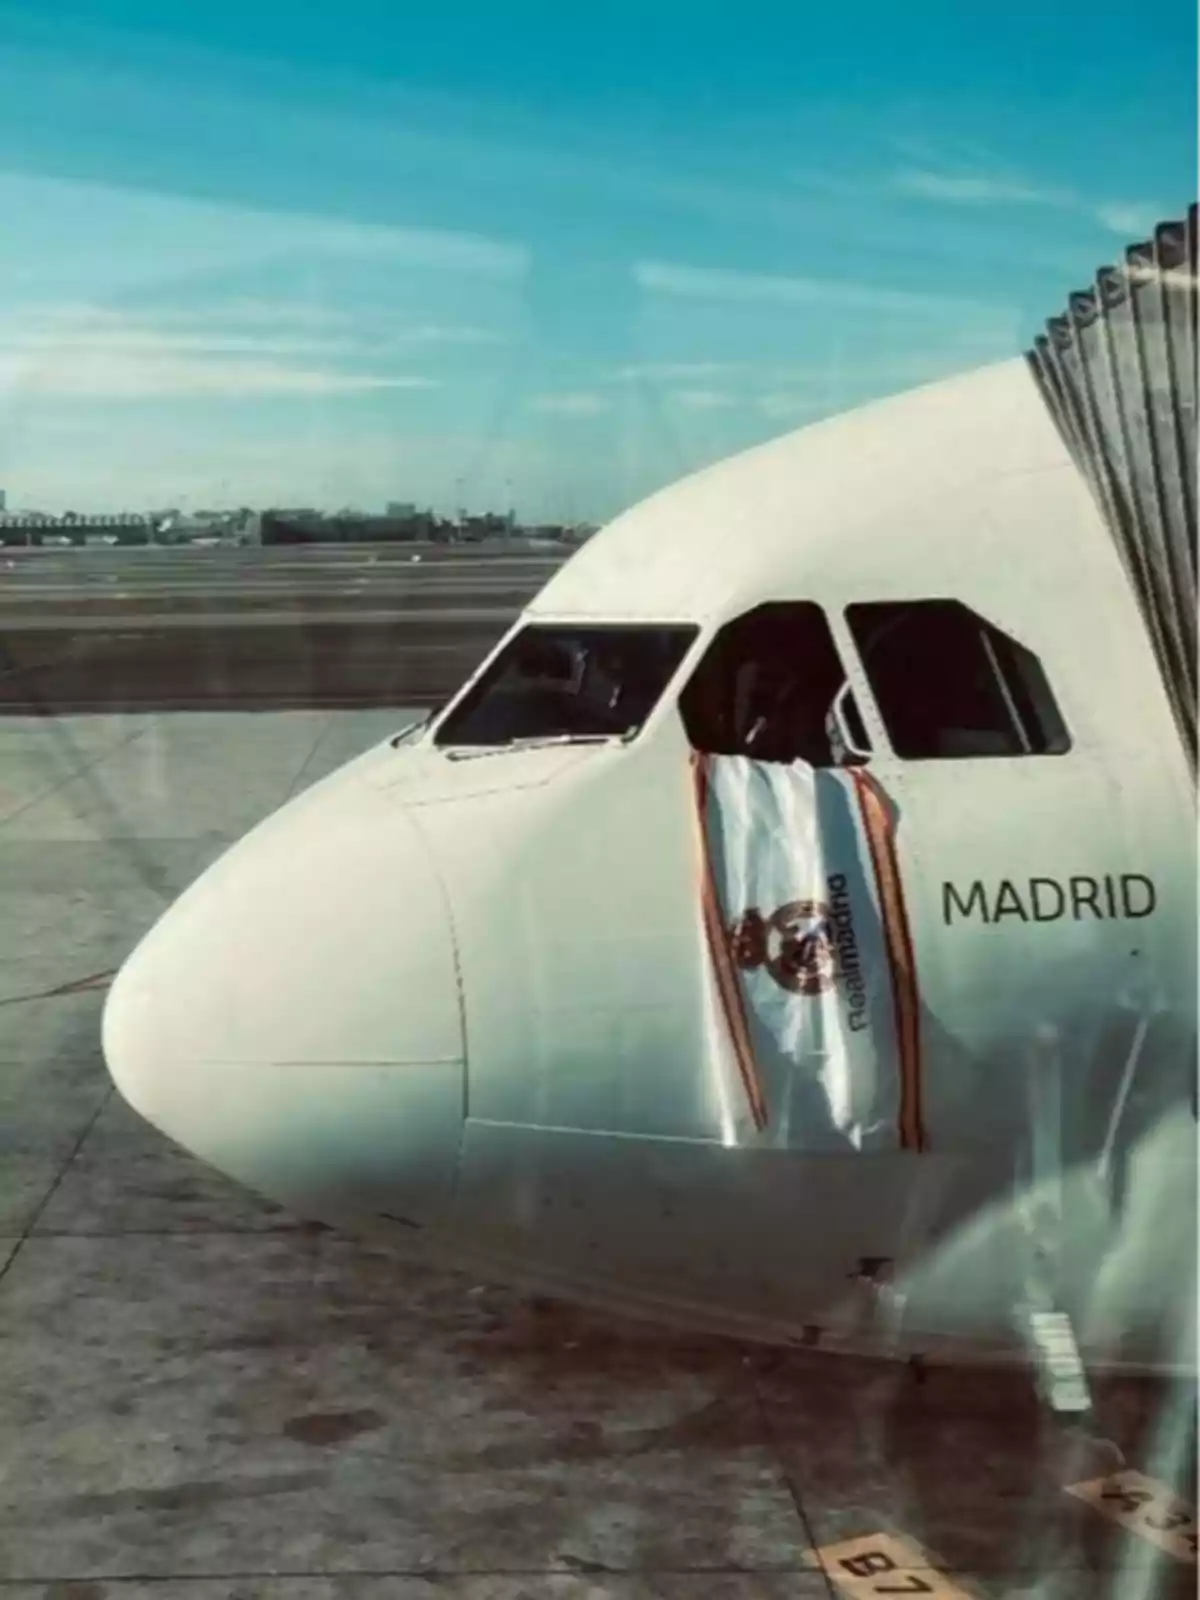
{"points": [[295, 1021]]}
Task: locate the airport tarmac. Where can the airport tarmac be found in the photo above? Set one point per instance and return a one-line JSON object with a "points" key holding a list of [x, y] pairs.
{"points": [[206, 1397], [137, 629]]}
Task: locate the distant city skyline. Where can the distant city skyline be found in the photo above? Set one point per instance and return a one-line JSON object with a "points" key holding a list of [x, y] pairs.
{"points": [[393, 511], [492, 256]]}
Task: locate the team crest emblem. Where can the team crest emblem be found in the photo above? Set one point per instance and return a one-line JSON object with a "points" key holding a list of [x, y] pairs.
{"points": [[794, 944]]}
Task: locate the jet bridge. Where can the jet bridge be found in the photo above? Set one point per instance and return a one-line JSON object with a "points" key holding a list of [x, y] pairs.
{"points": [[1118, 372]]}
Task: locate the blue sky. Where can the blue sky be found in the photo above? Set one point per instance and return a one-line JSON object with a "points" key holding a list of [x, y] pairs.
{"points": [[344, 254]]}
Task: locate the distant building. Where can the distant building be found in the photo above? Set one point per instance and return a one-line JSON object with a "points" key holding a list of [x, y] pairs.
{"points": [[314, 527], [125, 527], [488, 525]]}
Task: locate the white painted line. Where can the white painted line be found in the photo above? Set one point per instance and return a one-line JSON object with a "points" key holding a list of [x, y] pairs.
{"points": [[884, 1563], [1144, 1506]]}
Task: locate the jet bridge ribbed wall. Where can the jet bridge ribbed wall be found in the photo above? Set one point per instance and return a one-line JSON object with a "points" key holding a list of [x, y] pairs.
{"points": [[1118, 372]]}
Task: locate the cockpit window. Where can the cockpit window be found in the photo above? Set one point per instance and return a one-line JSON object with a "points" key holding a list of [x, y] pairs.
{"points": [[555, 681], [951, 685], [766, 688]]}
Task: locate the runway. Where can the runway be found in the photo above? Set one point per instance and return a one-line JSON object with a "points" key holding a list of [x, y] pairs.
{"points": [[206, 1397], [266, 575], [101, 629]]}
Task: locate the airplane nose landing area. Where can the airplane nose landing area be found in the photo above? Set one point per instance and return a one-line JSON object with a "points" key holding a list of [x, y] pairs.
{"points": [[295, 1020]]}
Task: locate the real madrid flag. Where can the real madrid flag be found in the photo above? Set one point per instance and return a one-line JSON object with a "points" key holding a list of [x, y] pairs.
{"points": [[815, 1021]]}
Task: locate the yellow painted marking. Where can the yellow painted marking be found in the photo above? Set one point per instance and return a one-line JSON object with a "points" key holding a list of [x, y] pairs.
{"points": [[1144, 1506], [883, 1563]]}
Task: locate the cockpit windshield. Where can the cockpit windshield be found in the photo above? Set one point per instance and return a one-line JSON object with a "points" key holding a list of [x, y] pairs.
{"points": [[558, 681]]}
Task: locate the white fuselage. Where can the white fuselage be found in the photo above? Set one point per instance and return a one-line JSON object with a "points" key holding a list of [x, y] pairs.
{"points": [[465, 991]]}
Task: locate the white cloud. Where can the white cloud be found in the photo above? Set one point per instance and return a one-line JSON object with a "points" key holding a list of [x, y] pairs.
{"points": [[131, 374], [702, 399], [371, 321], [236, 328], [132, 377], [434, 333], [977, 189], [137, 239], [579, 404], [668, 371], [61, 346], [96, 353], [1129, 219], [242, 311], [720, 283]]}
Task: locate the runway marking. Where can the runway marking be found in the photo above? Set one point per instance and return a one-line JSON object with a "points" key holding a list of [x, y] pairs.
{"points": [[1144, 1506], [94, 980], [174, 621], [885, 1563]]}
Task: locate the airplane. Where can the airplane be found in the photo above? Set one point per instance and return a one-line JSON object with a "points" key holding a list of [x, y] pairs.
{"points": [[789, 930]]}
